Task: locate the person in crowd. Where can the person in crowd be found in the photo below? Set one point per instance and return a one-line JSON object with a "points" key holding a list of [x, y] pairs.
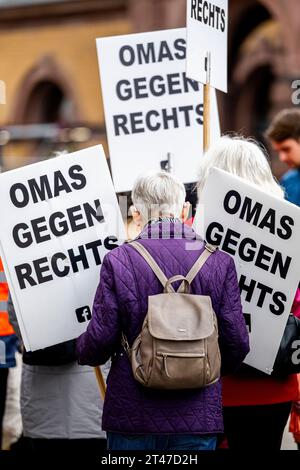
{"points": [[12, 421], [61, 406], [136, 417], [294, 426], [284, 134], [256, 406], [8, 345]]}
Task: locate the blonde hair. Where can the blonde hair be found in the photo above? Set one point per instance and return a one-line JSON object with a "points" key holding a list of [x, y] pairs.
{"points": [[241, 157]]}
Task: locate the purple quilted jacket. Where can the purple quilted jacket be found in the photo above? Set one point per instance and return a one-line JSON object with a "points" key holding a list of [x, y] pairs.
{"points": [[120, 304]]}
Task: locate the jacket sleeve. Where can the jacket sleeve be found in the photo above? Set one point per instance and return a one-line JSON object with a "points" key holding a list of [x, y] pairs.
{"points": [[103, 335], [233, 333]]}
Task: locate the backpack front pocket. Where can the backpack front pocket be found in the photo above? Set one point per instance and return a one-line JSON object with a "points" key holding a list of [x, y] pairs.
{"points": [[175, 368]]}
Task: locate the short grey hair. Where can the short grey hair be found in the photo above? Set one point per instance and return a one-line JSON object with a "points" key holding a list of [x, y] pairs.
{"points": [[158, 194], [241, 157]]}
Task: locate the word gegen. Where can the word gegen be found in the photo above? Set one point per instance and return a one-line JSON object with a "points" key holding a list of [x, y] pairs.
{"points": [[156, 119], [58, 224], [264, 257]]}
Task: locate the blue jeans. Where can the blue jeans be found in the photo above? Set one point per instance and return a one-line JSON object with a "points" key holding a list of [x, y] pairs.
{"points": [[161, 442]]}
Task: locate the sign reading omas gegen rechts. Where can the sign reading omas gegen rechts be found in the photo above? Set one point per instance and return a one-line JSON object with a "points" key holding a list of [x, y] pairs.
{"points": [[151, 107], [59, 218], [207, 25], [261, 232]]}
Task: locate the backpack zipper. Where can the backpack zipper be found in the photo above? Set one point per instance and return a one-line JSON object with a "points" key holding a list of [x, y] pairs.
{"points": [[165, 356]]}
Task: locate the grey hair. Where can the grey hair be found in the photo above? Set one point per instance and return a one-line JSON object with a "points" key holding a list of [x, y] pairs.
{"points": [[158, 194], [241, 157]]}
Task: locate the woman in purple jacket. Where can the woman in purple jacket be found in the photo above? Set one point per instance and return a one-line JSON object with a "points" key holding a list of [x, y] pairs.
{"points": [[139, 418]]}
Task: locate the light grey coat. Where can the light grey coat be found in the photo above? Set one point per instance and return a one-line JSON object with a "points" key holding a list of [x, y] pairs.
{"points": [[61, 402]]}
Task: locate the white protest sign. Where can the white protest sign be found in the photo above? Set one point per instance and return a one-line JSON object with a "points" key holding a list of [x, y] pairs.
{"points": [[151, 108], [261, 232], [207, 26], [59, 217]]}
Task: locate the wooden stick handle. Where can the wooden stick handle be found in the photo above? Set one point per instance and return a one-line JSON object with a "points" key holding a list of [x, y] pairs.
{"points": [[206, 117], [101, 381]]}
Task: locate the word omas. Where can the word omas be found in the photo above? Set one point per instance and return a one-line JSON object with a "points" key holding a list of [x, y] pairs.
{"points": [[152, 52], [255, 214], [41, 190], [208, 13], [250, 251]]}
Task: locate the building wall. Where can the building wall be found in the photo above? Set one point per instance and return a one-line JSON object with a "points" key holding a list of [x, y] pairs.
{"points": [[263, 58], [71, 48], [60, 40], [60, 48]]}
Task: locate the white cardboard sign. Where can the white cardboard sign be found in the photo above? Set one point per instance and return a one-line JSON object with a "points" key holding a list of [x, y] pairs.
{"points": [[207, 26], [261, 232], [59, 217], [151, 108]]}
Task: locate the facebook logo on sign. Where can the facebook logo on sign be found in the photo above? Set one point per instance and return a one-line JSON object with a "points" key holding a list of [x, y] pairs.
{"points": [[83, 314]]}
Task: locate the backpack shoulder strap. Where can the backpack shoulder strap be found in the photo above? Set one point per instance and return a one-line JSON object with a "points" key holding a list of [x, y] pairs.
{"points": [[151, 262], [209, 250]]}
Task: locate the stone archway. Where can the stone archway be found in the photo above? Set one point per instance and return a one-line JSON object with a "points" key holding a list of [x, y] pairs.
{"points": [[45, 97], [45, 87]]}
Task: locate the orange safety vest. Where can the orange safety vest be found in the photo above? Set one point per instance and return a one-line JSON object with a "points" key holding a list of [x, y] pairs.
{"points": [[5, 326]]}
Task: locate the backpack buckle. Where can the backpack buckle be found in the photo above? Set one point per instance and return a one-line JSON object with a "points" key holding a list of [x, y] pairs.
{"points": [[211, 248]]}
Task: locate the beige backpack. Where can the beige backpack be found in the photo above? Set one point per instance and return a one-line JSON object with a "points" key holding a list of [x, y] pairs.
{"points": [[177, 347]]}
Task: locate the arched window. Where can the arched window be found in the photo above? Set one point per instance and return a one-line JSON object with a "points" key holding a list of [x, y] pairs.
{"points": [[45, 95], [46, 98], [47, 103]]}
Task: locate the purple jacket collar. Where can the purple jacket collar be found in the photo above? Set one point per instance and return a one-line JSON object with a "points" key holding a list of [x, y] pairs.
{"points": [[168, 229]]}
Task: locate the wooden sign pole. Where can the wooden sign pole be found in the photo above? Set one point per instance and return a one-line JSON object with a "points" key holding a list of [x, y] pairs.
{"points": [[100, 381], [206, 106]]}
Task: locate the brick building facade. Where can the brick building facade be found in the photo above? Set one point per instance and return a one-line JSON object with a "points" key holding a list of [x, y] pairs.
{"points": [[263, 57], [49, 66], [50, 69]]}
